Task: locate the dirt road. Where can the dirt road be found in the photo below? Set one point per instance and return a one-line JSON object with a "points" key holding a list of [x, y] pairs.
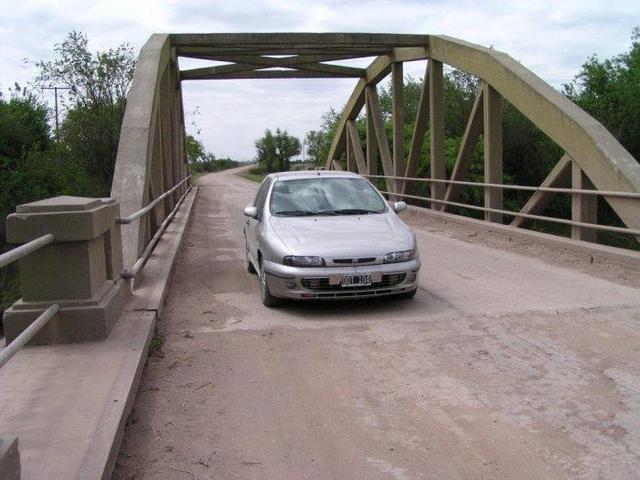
{"points": [[503, 366]]}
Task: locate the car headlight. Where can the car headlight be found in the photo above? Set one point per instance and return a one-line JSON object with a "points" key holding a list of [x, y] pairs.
{"points": [[303, 261], [395, 257]]}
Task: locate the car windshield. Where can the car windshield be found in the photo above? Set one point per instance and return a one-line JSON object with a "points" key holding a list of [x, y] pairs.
{"points": [[325, 196]]}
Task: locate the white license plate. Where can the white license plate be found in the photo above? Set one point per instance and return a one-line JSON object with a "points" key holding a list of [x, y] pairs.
{"points": [[356, 280]]}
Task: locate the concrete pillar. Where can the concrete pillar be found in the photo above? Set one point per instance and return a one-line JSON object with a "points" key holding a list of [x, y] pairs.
{"points": [[584, 208], [492, 152], [436, 123], [351, 160], [397, 104], [80, 270], [372, 142], [9, 458]]}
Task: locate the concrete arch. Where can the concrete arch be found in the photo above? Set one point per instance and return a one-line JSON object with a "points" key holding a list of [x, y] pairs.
{"points": [[598, 154]]}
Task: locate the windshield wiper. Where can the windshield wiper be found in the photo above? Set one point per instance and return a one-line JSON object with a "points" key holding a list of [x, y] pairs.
{"points": [[296, 213], [353, 211], [326, 212]]}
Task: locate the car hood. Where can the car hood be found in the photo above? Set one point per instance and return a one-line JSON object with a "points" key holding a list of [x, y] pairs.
{"points": [[355, 235]]}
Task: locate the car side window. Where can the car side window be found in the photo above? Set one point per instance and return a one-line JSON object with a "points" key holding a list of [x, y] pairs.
{"points": [[261, 197]]}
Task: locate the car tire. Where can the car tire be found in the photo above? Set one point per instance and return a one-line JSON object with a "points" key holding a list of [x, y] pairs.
{"points": [[407, 295], [268, 300], [247, 262]]}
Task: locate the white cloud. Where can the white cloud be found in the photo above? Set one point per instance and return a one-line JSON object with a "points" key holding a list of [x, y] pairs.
{"points": [[552, 39]]}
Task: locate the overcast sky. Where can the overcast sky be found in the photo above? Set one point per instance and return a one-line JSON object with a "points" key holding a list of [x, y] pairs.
{"points": [[551, 38]]}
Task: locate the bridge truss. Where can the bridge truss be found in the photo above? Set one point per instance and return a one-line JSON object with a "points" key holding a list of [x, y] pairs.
{"points": [[152, 155]]}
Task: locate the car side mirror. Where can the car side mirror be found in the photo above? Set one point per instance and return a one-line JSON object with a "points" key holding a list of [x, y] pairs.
{"points": [[251, 212], [399, 207]]}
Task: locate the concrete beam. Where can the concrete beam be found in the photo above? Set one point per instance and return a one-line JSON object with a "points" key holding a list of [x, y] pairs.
{"points": [[356, 149], [381, 135], [584, 208], [560, 176], [372, 142], [376, 71], [397, 119], [131, 177], [244, 70], [419, 131], [298, 40], [467, 146], [492, 152], [436, 123]]}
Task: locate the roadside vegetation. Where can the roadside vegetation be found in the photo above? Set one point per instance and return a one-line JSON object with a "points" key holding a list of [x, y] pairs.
{"points": [[37, 161], [607, 89]]}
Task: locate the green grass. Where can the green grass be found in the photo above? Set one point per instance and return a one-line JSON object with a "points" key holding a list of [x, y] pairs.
{"points": [[157, 342], [256, 174]]}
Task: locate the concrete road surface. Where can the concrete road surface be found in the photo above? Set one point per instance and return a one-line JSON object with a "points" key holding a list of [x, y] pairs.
{"points": [[503, 366]]}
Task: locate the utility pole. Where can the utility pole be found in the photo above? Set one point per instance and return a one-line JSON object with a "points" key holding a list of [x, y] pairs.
{"points": [[55, 90]]}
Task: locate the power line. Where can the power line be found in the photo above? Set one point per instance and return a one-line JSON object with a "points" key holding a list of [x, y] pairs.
{"points": [[55, 90]]}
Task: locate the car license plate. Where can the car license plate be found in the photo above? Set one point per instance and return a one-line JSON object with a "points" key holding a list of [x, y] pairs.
{"points": [[356, 280]]}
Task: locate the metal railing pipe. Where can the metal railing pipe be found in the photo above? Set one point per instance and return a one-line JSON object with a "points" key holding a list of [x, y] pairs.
{"points": [[21, 340], [144, 210], [595, 226], [604, 193], [128, 274], [24, 250]]}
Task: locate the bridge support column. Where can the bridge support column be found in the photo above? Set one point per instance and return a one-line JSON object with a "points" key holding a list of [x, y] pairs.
{"points": [[584, 208], [80, 270], [397, 100], [372, 143], [492, 152], [436, 122]]}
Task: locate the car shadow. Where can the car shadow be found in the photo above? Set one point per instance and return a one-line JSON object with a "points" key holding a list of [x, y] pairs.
{"points": [[425, 303]]}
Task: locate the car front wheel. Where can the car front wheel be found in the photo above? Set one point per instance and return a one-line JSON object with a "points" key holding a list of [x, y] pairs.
{"points": [[268, 300]]}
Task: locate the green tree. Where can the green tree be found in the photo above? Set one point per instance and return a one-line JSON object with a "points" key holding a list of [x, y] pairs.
{"points": [[610, 91], [274, 151], [23, 131], [201, 161], [319, 141], [23, 124], [98, 84]]}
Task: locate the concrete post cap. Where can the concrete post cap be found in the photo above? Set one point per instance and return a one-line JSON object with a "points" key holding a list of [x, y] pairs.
{"points": [[68, 218]]}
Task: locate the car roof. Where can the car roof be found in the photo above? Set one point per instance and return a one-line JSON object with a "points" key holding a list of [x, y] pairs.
{"points": [[310, 174]]}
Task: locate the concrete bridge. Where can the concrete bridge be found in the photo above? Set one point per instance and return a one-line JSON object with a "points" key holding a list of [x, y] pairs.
{"points": [[517, 358]]}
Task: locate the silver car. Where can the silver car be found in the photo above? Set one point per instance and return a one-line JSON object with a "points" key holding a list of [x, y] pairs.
{"points": [[328, 235]]}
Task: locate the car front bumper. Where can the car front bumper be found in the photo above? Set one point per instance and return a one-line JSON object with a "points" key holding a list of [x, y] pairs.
{"points": [[325, 282]]}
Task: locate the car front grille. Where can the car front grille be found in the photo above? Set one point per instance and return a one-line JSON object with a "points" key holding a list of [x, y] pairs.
{"points": [[351, 261], [318, 284]]}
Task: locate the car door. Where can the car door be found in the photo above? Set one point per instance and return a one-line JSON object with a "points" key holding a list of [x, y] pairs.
{"points": [[253, 225]]}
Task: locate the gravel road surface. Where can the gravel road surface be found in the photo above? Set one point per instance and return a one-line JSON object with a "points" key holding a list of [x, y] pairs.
{"points": [[502, 366]]}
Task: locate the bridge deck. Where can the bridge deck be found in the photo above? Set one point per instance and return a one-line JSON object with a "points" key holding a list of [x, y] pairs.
{"points": [[504, 365]]}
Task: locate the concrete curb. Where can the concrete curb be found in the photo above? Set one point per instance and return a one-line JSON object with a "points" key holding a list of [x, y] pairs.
{"points": [[9, 458], [598, 252], [100, 459]]}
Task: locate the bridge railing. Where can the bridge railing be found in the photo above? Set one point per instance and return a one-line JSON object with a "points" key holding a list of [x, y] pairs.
{"points": [[440, 204], [23, 338], [594, 164], [142, 260]]}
